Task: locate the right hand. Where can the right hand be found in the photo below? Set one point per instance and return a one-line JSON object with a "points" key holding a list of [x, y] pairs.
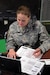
{"points": [[11, 54]]}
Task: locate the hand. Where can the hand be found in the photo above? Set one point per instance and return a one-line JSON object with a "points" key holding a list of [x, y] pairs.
{"points": [[11, 53], [37, 52]]}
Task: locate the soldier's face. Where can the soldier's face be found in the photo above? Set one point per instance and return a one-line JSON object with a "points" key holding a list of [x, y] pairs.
{"points": [[22, 19]]}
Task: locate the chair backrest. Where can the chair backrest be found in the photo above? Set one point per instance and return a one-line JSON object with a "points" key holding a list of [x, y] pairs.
{"points": [[2, 45]]}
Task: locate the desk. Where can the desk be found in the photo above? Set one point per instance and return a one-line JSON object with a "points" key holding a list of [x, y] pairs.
{"points": [[46, 70], [45, 56], [10, 73]]}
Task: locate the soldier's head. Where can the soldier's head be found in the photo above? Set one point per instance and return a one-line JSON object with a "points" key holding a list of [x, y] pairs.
{"points": [[23, 15]]}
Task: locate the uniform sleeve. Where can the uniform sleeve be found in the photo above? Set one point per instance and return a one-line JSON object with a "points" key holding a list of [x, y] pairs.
{"points": [[44, 38], [10, 41], [45, 46]]}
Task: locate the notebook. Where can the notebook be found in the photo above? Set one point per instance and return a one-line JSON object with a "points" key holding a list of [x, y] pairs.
{"points": [[10, 64], [2, 45]]}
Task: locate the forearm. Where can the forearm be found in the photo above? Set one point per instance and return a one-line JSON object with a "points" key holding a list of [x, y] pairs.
{"points": [[10, 45], [45, 46]]}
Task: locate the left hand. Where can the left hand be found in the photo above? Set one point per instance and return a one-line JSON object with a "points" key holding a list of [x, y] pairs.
{"points": [[37, 52]]}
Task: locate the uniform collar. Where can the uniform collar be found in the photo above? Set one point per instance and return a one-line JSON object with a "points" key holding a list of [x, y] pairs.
{"points": [[26, 28]]}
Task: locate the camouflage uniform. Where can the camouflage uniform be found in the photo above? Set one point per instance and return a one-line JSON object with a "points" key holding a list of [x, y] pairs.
{"points": [[33, 35]]}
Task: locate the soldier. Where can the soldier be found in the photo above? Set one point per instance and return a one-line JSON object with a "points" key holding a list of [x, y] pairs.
{"points": [[27, 32]]}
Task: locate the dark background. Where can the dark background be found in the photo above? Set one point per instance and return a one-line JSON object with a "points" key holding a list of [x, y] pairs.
{"points": [[12, 5]]}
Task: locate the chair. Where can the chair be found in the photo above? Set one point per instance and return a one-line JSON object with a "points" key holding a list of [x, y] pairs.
{"points": [[2, 46]]}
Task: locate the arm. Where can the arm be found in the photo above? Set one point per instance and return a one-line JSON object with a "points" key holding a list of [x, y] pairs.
{"points": [[44, 39], [11, 43]]}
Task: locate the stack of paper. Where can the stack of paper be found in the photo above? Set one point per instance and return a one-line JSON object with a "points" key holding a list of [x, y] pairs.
{"points": [[26, 51], [29, 64]]}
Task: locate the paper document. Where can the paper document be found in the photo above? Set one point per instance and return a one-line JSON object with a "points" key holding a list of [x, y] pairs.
{"points": [[26, 51], [31, 66]]}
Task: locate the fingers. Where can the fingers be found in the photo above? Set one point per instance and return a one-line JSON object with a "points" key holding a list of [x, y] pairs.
{"points": [[37, 52], [11, 55]]}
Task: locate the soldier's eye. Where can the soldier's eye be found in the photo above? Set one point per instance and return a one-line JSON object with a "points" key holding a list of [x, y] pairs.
{"points": [[19, 19], [23, 20]]}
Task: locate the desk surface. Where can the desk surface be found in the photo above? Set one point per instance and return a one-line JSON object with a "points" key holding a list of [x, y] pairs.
{"points": [[45, 71], [10, 73], [46, 55]]}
